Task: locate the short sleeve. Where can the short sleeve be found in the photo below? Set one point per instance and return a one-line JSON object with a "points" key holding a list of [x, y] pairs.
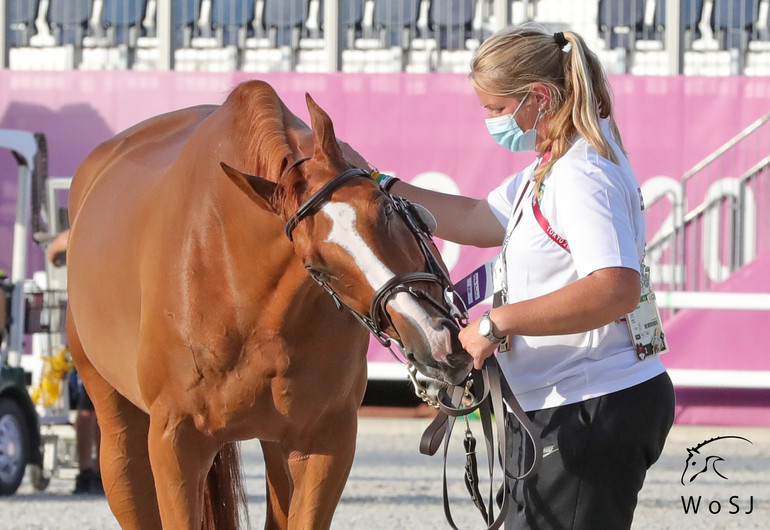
{"points": [[594, 214], [501, 199]]}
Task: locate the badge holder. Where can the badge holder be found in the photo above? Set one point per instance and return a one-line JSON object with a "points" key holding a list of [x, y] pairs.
{"points": [[484, 283], [499, 298], [644, 324]]}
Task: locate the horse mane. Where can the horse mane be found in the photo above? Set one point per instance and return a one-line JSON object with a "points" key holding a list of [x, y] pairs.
{"points": [[260, 119], [695, 449]]}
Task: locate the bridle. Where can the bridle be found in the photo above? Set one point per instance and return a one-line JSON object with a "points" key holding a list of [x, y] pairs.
{"points": [[489, 381], [378, 319]]}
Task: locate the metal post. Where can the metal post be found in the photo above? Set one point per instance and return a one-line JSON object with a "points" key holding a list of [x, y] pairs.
{"points": [[502, 17], [19, 264], [163, 20], [57, 276], [674, 37], [674, 45], [332, 35], [24, 145], [3, 34], [678, 209]]}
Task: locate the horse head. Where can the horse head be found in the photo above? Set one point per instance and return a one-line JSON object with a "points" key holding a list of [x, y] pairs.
{"points": [[698, 462], [695, 464], [371, 251]]}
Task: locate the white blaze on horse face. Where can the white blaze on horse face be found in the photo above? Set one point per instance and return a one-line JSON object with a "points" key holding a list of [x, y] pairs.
{"points": [[344, 234]]}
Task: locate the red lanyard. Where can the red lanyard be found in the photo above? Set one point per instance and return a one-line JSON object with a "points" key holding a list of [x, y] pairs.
{"points": [[542, 221], [546, 226]]}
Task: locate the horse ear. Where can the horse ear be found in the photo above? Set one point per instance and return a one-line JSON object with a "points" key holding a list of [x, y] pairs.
{"points": [[259, 190], [324, 141]]}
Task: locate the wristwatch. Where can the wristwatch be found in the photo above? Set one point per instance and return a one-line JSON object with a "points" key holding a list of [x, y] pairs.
{"points": [[486, 329]]}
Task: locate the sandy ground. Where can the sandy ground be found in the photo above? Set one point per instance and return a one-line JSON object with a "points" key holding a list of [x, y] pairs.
{"points": [[392, 486]]}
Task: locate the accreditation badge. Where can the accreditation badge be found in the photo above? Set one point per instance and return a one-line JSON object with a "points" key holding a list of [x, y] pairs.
{"points": [[644, 324], [485, 283]]}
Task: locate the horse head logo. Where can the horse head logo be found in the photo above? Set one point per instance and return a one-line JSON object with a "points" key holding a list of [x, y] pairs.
{"points": [[699, 462]]}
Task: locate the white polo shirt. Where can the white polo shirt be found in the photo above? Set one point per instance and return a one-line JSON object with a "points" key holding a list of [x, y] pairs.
{"points": [[596, 206]]}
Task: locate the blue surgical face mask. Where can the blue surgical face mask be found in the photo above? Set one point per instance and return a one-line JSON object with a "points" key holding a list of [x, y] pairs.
{"points": [[506, 132]]}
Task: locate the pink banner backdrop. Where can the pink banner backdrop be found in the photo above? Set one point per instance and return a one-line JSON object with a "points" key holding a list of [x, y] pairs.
{"points": [[428, 129]]}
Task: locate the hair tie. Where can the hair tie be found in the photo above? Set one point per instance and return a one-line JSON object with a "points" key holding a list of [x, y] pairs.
{"points": [[561, 41]]}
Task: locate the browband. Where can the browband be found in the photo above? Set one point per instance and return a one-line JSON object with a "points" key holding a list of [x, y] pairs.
{"points": [[312, 205]]}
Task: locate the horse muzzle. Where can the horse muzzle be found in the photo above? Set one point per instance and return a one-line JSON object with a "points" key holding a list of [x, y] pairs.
{"points": [[433, 346]]}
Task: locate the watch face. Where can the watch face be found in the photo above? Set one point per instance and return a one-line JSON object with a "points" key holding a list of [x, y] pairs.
{"points": [[485, 326]]}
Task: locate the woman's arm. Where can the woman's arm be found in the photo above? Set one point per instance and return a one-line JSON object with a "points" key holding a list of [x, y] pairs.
{"points": [[460, 219], [589, 303]]}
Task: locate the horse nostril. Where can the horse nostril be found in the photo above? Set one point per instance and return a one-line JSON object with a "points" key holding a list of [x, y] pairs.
{"points": [[446, 323]]}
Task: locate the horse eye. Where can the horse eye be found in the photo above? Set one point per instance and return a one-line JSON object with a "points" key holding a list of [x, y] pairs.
{"points": [[388, 209]]}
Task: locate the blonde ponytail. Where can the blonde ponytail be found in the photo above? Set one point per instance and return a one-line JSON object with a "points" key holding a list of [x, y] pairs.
{"points": [[515, 58]]}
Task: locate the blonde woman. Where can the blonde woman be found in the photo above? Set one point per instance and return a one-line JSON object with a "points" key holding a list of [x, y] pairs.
{"points": [[572, 230]]}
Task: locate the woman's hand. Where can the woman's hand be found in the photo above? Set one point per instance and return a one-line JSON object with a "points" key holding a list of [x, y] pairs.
{"points": [[478, 346]]}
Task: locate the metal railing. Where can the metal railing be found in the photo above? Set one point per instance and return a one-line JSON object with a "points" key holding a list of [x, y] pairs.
{"points": [[697, 247]]}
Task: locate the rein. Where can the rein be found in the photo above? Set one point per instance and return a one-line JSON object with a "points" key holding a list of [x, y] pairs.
{"points": [[495, 395]]}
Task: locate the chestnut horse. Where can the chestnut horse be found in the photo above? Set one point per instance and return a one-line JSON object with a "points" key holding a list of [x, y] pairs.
{"points": [[195, 322]]}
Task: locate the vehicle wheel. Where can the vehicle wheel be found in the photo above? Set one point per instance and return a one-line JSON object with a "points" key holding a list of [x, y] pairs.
{"points": [[38, 477], [13, 446]]}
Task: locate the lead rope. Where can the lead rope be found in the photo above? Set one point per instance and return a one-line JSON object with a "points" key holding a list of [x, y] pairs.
{"points": [[495, 395], [471, 476]]}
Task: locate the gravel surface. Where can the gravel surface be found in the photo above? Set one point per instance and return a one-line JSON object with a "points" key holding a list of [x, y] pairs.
{"points": [[392, 486]]}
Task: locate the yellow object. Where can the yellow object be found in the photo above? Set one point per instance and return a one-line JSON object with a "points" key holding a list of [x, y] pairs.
{"points": [[48, 388]]}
